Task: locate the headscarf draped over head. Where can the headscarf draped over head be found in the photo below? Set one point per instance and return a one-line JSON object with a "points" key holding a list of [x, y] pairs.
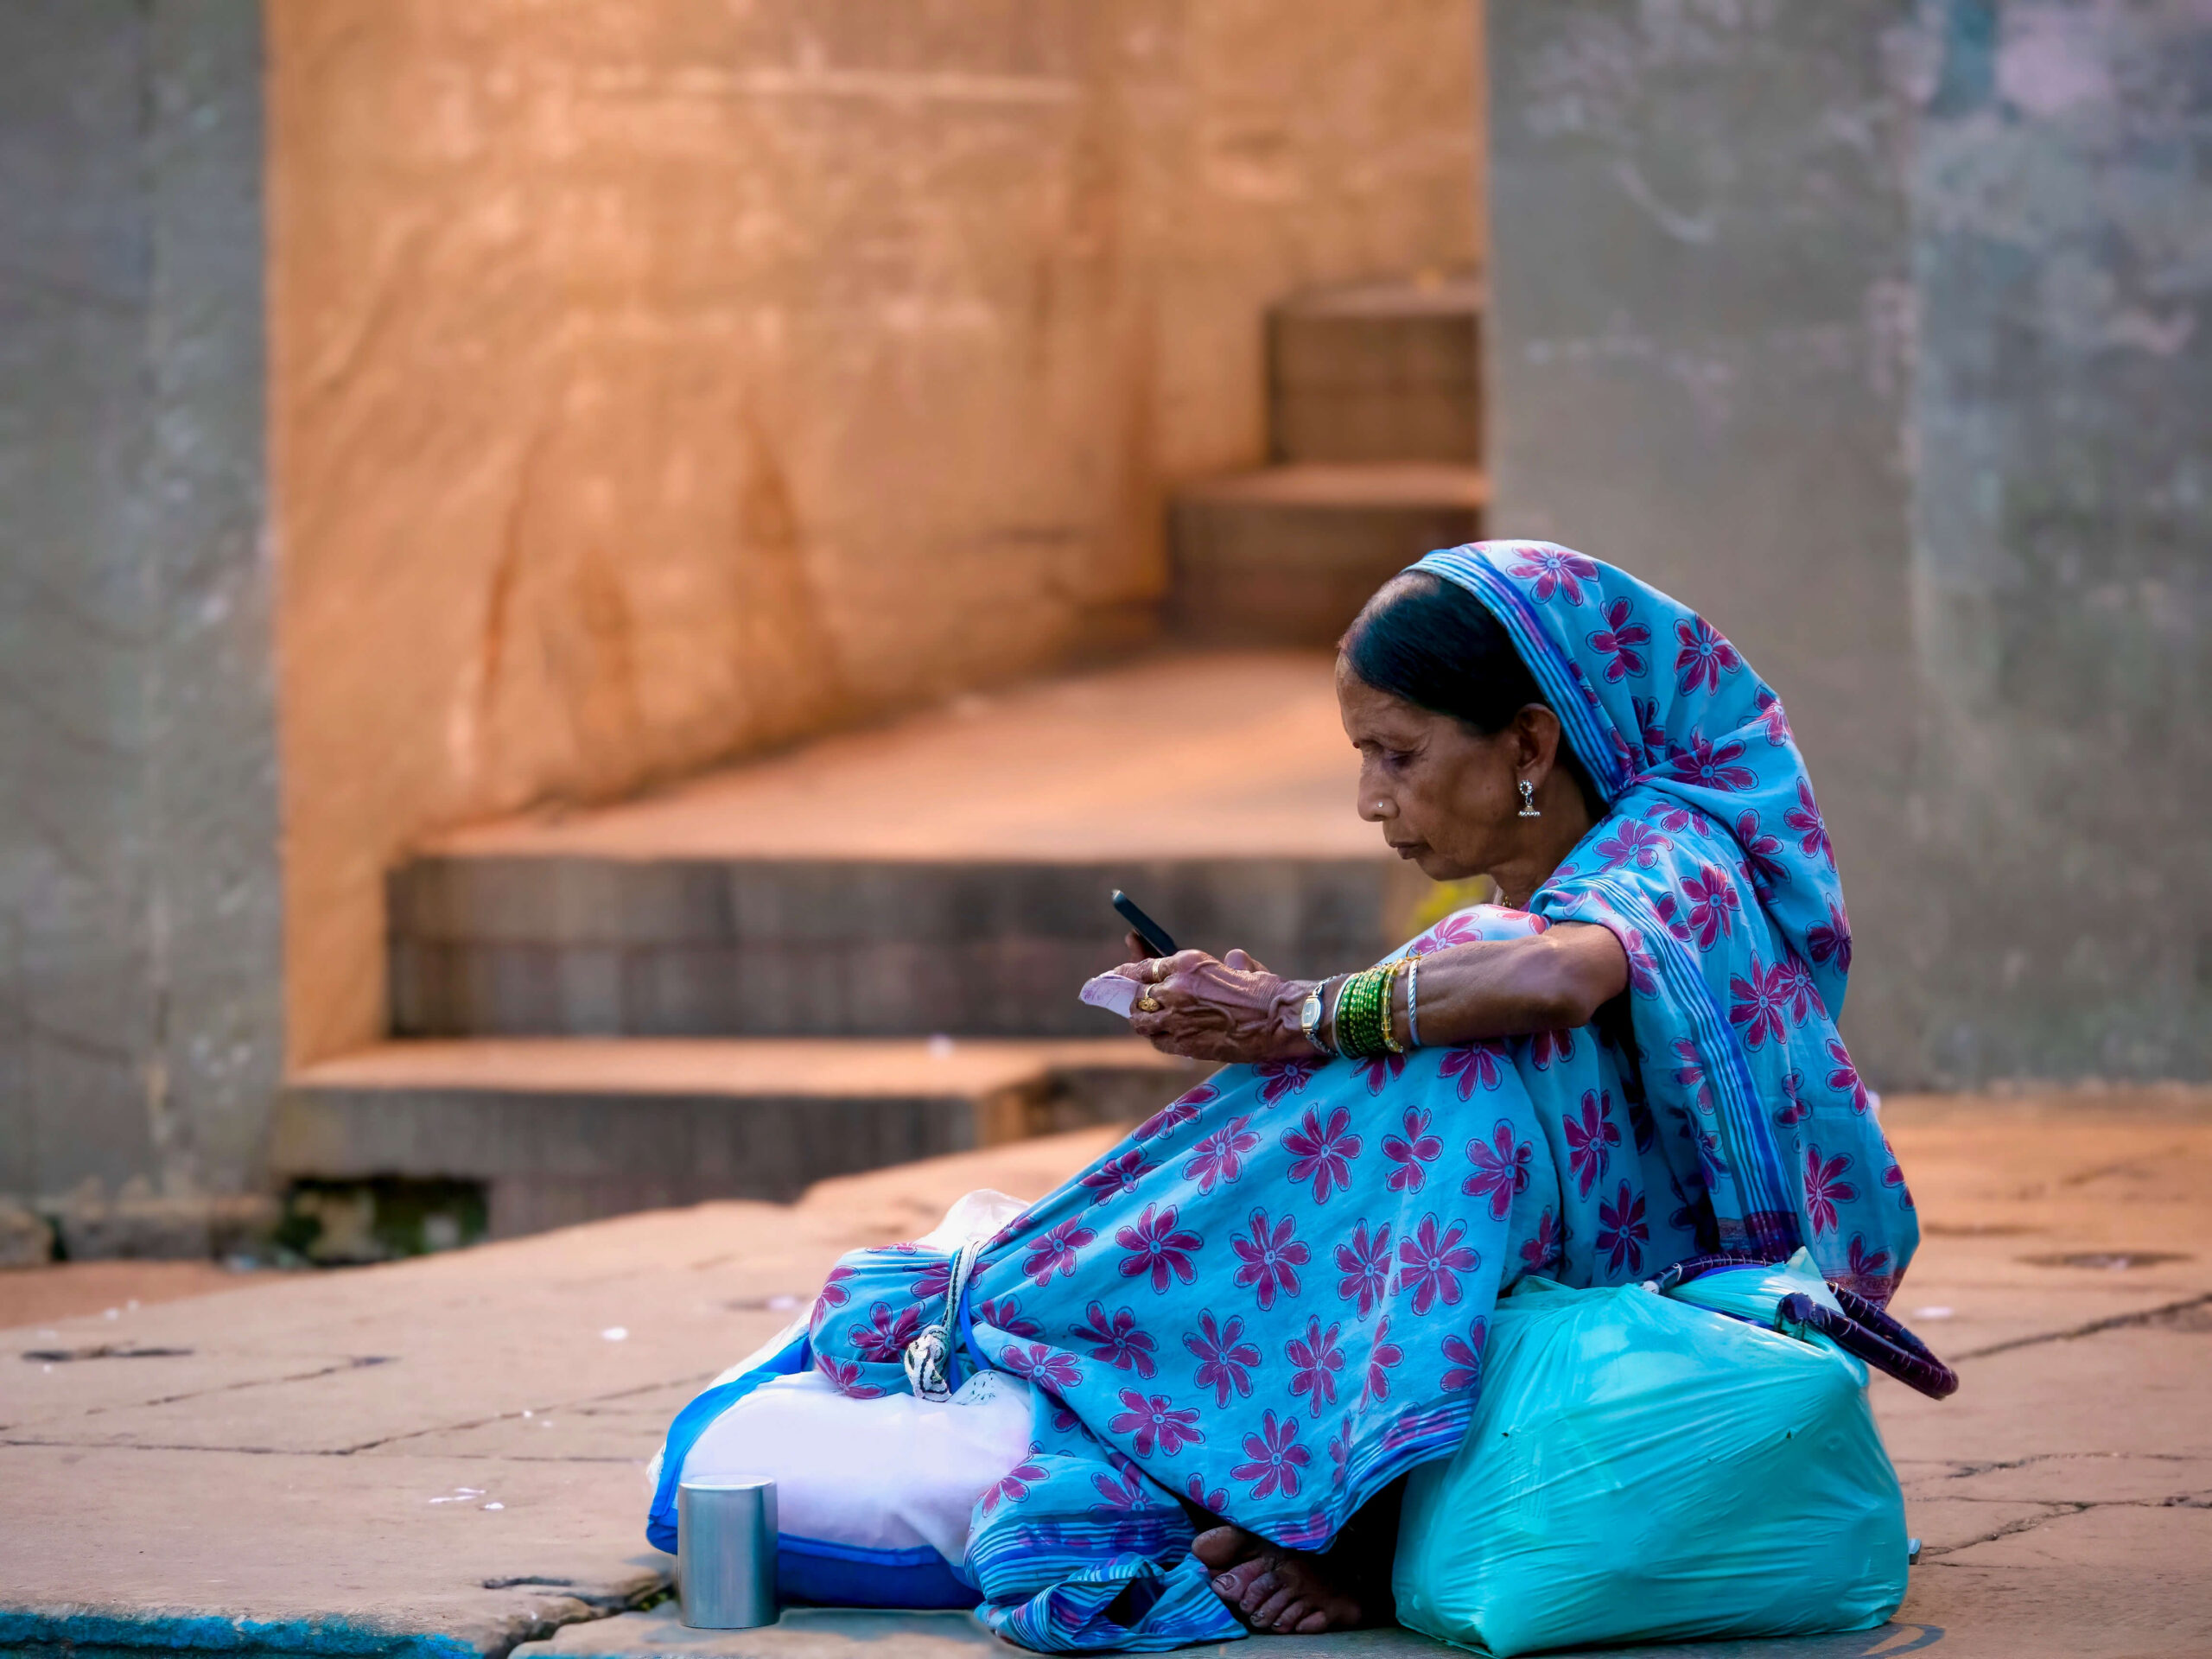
{"points": [[1713, 868]]}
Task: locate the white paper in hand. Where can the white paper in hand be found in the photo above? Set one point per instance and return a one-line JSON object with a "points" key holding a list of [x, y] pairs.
{"points": [[1111, 992]]}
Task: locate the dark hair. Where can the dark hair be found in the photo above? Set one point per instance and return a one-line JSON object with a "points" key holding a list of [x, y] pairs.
{"points": [[1437, 646]]}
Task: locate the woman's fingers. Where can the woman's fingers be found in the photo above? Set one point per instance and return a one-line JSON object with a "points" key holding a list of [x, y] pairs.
{"points": [[1244, 961]]}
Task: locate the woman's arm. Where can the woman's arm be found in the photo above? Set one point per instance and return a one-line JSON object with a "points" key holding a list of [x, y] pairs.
{"points": [[1236, 1010]]}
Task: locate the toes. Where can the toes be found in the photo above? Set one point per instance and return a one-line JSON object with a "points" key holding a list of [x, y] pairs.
{"points": [[1264, 1616], [1221, 1547], [1288, 1621], [1313, 1624], [1232, 1583], [1257, 1588]]}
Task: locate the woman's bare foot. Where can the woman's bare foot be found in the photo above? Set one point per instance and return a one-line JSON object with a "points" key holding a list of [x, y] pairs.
{"points": [[1284, 1591]]}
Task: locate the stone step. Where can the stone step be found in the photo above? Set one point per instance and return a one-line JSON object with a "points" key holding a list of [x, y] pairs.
{"points": [[947, 874], [1286, 556], [1388, 370], [557, 1131]]}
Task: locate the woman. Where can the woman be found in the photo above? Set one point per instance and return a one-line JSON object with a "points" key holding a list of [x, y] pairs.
{"points": [[1249, 1320]]}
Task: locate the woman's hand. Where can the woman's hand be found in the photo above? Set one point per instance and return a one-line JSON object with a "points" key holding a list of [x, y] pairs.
{"points": [[1231, 1009]]}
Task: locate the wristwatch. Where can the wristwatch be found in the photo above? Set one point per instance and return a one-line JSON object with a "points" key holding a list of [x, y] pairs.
{"points": [[1309, 1015]]}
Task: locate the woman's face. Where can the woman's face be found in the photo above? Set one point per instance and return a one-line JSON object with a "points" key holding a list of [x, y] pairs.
{"points": [[1445, 796]]}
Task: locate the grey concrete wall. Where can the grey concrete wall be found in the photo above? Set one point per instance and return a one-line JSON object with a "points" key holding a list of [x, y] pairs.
{"points": [[139, 974], [1877, 331]]}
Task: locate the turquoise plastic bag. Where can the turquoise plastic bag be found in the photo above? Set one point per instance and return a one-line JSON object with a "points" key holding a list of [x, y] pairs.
{"points": [[1641, 1468]]}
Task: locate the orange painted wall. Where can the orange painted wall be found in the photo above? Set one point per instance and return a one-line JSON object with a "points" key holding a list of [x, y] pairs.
{"points": [[653, 380]]}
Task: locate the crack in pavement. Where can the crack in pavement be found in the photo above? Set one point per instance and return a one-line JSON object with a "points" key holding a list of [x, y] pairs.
{"points": [[2026, 1523], [2114, 1322]]}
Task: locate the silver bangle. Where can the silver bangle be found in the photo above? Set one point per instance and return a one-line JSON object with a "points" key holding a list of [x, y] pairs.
{"points": [[1413, 1002]]}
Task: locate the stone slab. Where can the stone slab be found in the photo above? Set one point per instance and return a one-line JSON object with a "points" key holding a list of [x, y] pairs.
{"points": [[1378, 372], [1287, 555], [560, 1131]]}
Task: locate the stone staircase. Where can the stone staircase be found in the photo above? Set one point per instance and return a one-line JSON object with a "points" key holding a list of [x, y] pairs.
{"points": [[867, 950], [1375, 416]]}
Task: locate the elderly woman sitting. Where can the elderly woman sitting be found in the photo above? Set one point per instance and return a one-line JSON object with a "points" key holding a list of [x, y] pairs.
{"points": [[1246, 1322]]}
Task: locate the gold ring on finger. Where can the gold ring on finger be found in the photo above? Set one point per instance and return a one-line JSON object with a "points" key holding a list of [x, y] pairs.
{"points": [[1149, 1003]]}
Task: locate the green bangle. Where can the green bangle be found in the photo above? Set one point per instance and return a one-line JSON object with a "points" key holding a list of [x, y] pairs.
{"points": [[1359, 1014]]}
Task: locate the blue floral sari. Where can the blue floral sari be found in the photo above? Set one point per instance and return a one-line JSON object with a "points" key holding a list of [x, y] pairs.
{"points": [[1272, 1299]]}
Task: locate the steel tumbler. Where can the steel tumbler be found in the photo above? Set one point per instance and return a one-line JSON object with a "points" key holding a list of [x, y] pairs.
{"points": [[725, 1554]]}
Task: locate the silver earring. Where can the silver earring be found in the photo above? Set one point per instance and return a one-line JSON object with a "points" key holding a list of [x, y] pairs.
{"points": [[1528, 800]]}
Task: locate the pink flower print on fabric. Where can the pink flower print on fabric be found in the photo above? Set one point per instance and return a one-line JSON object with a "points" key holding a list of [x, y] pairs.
{"points": [[1056, 1252], [1431, 1261], [1176, 1112], [1894, 1175], [1273, 1458], [1382, 1070], [1117, 1176], [1710, 905], [1156, 1247], [933, 1281], [1623, 640], [1760, 1006], [1014, 1485], [1340, 1454], [1050, 1370], [1633, 841], [1831, 940], [1324, 1153], [1456, 929], [1271, 1258], [1464, 1357], [1713, 765], [1844, 1078], [1117, 1340], [1825, 1188], [1771, 719], [1547, 1046], [1315, 1360], [834, 1294], [1554, 567], [1501, 1169], [1220, 1156], [1543, 1247], [1690, 1073], [1213, 1503], [1622, 1232], [1590, 1139], [1411, 1149], [1642, 966], [1383, 1356], [1481, 1062], [884, 1339], [1796, 1111], [1704, 655], [1649, 729], [1225, 1360], [1364, 1262], [1284, 1078], [1675, 817], [1157, 1420], [1760, 851], [1866, 1264], [845, 1377], [1005, 1314], [1123, 1490], [1812, 830]]}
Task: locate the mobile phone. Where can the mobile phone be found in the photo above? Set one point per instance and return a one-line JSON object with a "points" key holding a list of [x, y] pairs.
{"points": [[1153, 935]]}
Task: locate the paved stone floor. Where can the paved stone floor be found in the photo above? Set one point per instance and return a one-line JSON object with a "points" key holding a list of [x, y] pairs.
{"points": [[444, 1456]]}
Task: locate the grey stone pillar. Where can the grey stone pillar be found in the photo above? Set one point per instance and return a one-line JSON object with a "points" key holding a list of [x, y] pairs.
{"points": [[1882, 332], [140, 1002]]}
